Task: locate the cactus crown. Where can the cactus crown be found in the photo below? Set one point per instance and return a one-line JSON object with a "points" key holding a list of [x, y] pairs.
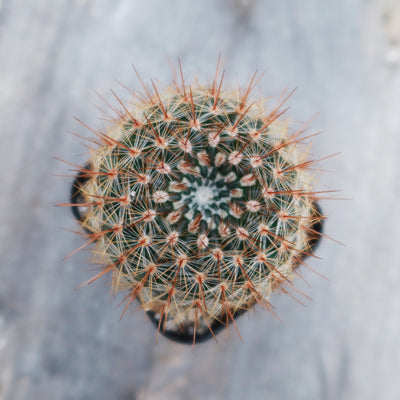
{"points": [[200, 204]]}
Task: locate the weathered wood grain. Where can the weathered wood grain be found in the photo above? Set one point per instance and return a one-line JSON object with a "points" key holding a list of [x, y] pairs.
{"points": [[344, 58]]}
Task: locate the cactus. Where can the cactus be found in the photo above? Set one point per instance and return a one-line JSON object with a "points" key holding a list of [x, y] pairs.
{"points": [[200, 203]]}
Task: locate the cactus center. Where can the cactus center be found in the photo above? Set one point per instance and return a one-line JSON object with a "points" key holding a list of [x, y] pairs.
{"points": [[203, 195]]}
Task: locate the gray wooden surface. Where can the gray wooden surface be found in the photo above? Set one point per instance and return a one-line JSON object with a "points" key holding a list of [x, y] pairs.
{"points": [[60, 343]]}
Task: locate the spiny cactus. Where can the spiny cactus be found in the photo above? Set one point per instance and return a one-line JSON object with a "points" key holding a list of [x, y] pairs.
{"points": [[200, 203]]}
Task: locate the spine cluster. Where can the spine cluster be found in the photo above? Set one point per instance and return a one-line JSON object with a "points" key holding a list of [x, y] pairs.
{"points": [[200, 204]]}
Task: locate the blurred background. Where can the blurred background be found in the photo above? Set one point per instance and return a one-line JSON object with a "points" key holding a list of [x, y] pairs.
{"points": [[344, 59]]}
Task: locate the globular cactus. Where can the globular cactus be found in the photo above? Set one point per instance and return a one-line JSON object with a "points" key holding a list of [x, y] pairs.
{"points": [[200, 203]]}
